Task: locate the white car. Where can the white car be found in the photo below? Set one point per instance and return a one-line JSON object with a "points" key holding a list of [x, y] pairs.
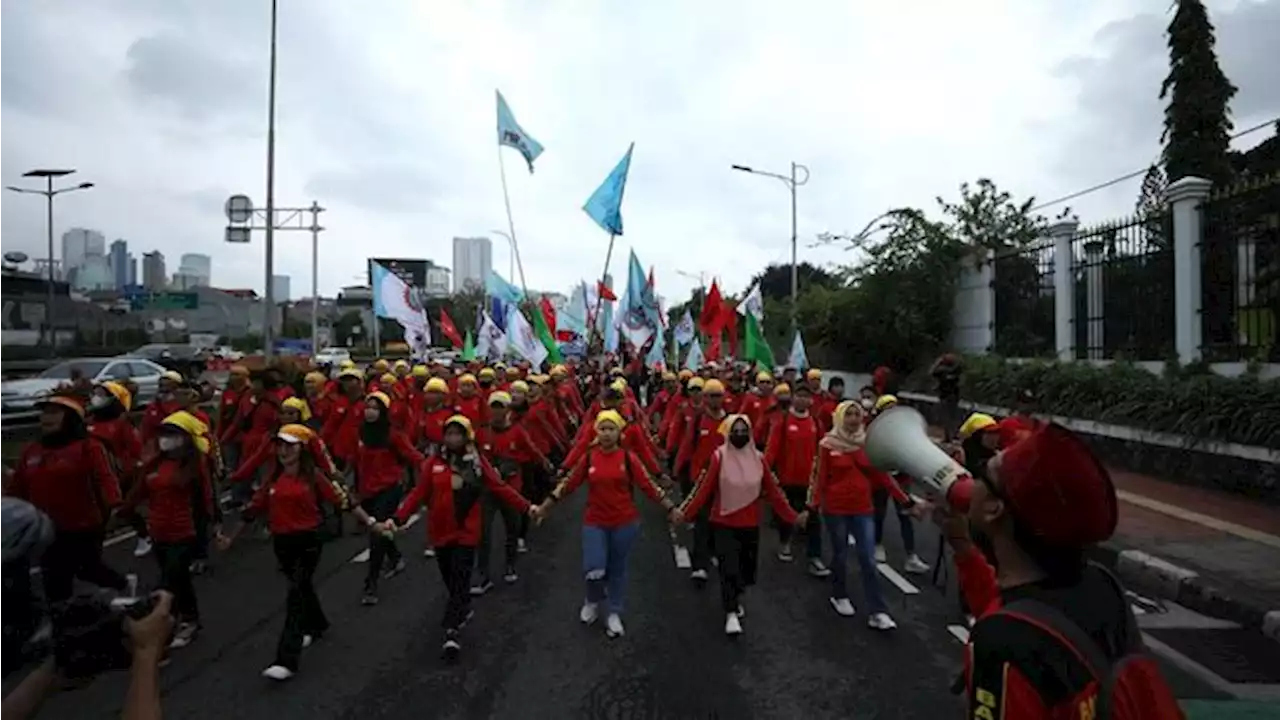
{"points": [[21, 396], [331, 356]]}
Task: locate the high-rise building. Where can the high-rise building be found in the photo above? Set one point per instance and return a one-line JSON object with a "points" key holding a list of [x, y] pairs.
{"points": [[133, 269], [280, 288], [118, 262], [198, 267], [79, 243], [472, 260], [153, 271], [437, 281]]}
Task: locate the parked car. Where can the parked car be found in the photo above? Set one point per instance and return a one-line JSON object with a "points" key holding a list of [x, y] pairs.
{"points": [[331, 356], [190, 360], [18, 396]]}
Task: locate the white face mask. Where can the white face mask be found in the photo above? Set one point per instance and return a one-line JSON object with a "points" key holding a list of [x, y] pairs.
{"points": [[169, 443], [866, 404], [371, 415], [98, 401]]}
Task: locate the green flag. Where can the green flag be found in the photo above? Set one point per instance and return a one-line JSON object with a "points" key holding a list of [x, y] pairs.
{"points": [[757, 348], [468, 348], [544, 334]]}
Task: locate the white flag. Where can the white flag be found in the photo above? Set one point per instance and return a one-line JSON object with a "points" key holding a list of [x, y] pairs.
{"points": [[798, 359], [683, 334], [753, 303], [491, 342], [693, 361], [523, 340]]}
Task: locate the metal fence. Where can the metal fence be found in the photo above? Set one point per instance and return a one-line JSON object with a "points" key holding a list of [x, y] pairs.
{"points": [[1124, 291], [1023, 286], [1240, 272]]}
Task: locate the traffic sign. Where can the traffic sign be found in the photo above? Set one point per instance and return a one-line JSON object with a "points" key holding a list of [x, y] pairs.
{"points": [[165, 301], [239, 209]]}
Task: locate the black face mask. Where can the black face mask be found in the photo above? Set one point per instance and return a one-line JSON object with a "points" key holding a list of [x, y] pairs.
{"points": [[983, 542], [739, 440], [784, 404]]}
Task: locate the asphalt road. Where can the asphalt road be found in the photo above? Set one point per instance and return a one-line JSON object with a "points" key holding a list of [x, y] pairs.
{"points": [[527, 656]]}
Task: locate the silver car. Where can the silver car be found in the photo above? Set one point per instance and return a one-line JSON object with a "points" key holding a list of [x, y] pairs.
{"points": [[20, 396]]}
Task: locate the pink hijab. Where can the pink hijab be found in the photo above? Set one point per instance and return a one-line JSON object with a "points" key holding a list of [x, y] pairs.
{"points": [[741, 470]]}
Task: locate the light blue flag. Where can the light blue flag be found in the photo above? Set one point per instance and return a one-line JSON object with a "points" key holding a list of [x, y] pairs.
{"points": [[610, 328], [657, 352], [605, 204], [798, 358], [495, 286], [693, 361], [512, 135]]}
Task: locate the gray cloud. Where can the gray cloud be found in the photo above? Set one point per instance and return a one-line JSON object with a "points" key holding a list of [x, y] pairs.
{"points": [[199, 80], [389, 188]]}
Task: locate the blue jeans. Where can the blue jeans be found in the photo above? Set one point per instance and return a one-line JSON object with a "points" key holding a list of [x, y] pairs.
{"points": [[862, 528], [604, 562]]}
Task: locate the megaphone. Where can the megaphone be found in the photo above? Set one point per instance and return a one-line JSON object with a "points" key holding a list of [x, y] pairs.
{"points": [[898, 441]]}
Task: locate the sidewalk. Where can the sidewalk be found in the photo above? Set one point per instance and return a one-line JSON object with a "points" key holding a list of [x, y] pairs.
{"points": [[1213, 553]]}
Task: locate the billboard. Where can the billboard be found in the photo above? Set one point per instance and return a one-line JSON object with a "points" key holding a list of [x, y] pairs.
{"points": [[413, 272]]}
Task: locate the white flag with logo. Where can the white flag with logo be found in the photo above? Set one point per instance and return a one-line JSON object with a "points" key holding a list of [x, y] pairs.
{"points": [[491, 342], [523, 340], [683, 334], [753, 303]]}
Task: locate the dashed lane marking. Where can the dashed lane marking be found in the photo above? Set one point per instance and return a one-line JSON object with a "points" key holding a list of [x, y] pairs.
{"points": [[683, 561], [894, 577], [960, 633]]}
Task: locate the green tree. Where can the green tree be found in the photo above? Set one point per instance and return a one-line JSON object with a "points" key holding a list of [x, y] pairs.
{"points": [[775, 280], [1197, 120]]}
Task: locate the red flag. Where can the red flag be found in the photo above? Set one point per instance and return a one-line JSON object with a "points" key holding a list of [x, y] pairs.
{"points": [[449, 329], [605, 293], [713, 347], [548, 312], [712, 306], [729, 318]]}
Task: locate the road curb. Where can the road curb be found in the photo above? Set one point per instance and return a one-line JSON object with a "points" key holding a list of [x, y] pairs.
{"points": [[1145, 572]]}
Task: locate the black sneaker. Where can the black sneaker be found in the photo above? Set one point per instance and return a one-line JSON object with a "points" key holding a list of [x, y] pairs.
{"points": [[481, 587], [370, 596], [452, 647]]}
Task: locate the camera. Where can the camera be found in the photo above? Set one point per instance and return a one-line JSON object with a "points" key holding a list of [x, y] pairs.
{"points": [[89, 636]]}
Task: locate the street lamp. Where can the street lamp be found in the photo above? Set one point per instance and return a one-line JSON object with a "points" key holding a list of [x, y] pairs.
{"points": [[858, 239], [511, 245], [268, 325], [792, 182], [701, 277], [49, 192]]}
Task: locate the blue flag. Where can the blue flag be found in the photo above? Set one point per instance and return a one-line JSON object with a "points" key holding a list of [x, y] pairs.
{"points": [[495, 286], [512, 135], [497, 311], [605, 204]]}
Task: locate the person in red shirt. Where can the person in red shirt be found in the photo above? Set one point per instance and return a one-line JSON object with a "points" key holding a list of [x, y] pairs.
{"points": [[341, 432], [177, 488], [790, 451], [228, 408], [759, 400], [109, 423], [774, 411], [470, 400], [451, 485], [432, 415], [382, 458], [319, 399], [293, 501], [611, 522], [508, 446], [841, 490], [67, 476], [162, 406], [737, 477]]}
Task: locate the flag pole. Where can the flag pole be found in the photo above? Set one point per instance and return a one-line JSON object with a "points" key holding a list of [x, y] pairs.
{"points": [[595, 316], [511, 223]]}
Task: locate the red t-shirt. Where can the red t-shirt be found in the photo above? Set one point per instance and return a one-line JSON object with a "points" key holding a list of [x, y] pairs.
{"points": [[610, 475]]}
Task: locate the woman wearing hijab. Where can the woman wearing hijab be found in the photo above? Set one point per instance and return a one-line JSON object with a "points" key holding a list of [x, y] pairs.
{"points": [[293, 499], [382, 459], [451, 483], [611, 522], [177, 488], [737, 477], [841, 490]]}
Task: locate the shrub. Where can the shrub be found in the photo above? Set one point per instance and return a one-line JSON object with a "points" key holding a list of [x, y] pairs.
{"points": [[1200, 404]]}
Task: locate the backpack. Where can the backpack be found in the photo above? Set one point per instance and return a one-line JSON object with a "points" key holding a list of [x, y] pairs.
{"points": [[1130, 687]]}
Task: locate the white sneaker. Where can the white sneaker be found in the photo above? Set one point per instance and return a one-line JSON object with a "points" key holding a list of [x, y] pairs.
{"points": [[818, 569], [142, 548], [589, 612], [732, 625], [521, 545], [429, 552], [307, 640], [881, 555], [613, 626], [742, 611], [915, 566], [853, 541], [843, 607], [277, 672], [881, 621], [184, 635], [698, 575]]}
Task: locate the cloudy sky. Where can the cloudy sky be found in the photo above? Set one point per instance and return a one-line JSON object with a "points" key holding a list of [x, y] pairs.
{"points": [[386, 117]]}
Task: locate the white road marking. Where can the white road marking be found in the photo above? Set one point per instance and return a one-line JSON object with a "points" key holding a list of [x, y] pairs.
{"points": [[902, 583], [117, 539], [683, 561], [363, 555], [1200, 519], [960, 633], [1138, 610]]}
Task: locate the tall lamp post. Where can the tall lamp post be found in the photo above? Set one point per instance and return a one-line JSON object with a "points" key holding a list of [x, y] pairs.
{"points": [[49, 192], [268, 325], [792, 181], [511, 245]]}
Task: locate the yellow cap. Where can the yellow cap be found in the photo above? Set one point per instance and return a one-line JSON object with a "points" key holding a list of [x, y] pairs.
{"points": [[727, 424], [685, 374], [381, 365], [171, 376], [974, 423], [314, 378], [351, 373], [120, 393], [519, 386], [885, 401], [696, 383], [380, 397], [387, 379], [304, 410], [421, 371], [713, 386], [438, 385], [467, 379], [500, 398], [764, 376], [618, 385], [610, 416], [294, 434], [539, 379], [782, 389], [487, 373], [347, 364], [462, 422], [813, 374], [193, 426], [668, 376], [402, 364], [559, 371]]}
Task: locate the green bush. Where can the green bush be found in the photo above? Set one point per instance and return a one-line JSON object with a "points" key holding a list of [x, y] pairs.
{"points": [[1185, 401]]}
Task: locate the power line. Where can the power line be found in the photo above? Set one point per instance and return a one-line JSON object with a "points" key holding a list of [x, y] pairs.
{"points": [[1137, 173]]}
